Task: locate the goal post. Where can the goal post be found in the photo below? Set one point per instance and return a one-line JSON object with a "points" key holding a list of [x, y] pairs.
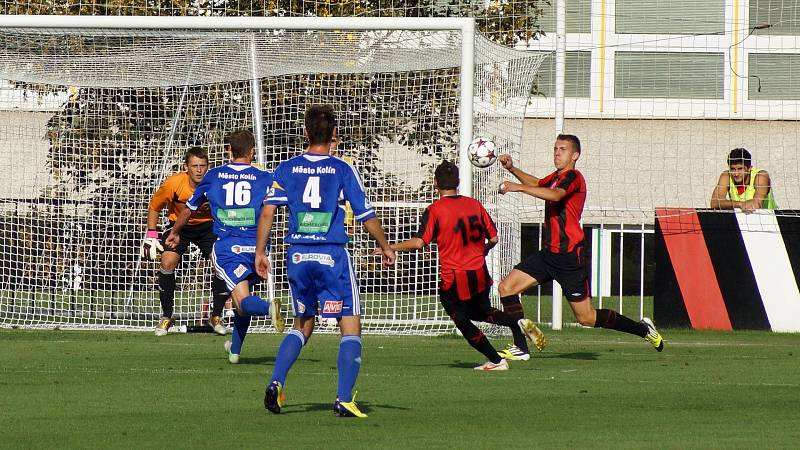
{"points": [[108, 106]]}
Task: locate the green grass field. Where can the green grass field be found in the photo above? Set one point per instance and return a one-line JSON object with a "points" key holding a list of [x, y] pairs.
{"points": [[589, 389]]}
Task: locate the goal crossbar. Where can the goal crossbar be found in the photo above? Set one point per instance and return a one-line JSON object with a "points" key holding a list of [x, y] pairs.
{"points": [[464, 24]]}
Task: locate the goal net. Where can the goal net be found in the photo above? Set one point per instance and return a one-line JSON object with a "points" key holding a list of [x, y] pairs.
{"points": [[94, 118]]}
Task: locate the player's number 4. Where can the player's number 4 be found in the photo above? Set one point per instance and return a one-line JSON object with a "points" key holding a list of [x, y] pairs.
{"points": [[311, 192], [237, 193]]}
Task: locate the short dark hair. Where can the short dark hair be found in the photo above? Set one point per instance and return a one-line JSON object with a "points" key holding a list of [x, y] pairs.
{"points": [[446, 175], [740, 156], [576, 143], [241, 142], [197, 152], [320, 121]]}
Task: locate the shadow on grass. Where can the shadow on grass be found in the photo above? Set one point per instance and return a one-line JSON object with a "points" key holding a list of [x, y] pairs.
{"points": [[586, 356], [365, 407], [257, 360]]}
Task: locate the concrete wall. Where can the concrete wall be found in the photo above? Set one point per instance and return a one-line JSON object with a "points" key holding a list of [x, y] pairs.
{"points": [[23, 153], [636, 165]]}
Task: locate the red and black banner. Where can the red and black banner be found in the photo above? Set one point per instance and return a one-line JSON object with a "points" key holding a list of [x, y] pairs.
{"points": [[724, 270]]}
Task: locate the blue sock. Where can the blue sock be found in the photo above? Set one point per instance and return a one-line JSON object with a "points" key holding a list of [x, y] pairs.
{"points": [[254, 306], [240, 326], [349, 363], [287, 355]]}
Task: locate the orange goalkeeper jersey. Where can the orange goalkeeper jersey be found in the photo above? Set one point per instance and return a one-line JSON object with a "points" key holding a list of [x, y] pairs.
{"points": [[174, 192]]}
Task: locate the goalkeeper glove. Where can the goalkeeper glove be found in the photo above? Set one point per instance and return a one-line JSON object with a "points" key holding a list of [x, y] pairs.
{"points": [[151, 246]]}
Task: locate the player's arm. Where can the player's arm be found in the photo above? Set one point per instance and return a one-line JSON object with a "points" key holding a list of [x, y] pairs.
{"points": [[719, 196], [491, 231], [417, 241], [174, 237], [553, 194], [364, 213], [265, 221], [374, 228], [197, 199], [151, 244], [523, 177], [763, 186]]}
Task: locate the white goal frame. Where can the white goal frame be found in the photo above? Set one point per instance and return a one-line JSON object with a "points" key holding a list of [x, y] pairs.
{"points": [[465, 25]]}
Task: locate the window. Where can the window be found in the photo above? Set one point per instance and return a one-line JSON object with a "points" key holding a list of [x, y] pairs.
{"points": [[778, 74], [578, 16], [668, 75], [672, 17], [782, 15], [576, 78]]}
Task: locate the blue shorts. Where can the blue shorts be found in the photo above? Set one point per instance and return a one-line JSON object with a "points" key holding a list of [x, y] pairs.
{"points": [[234, 260], [322, 281]]}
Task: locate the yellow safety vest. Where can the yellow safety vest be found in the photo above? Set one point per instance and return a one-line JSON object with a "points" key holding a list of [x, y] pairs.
{"points": [[750, 191]]}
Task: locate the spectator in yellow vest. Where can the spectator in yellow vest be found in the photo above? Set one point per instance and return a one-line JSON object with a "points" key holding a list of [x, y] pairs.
{"points": [[742, 185]]}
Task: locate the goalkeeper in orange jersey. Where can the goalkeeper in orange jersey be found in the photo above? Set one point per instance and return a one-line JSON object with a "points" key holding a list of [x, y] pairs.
{"points": [[173, 194]]}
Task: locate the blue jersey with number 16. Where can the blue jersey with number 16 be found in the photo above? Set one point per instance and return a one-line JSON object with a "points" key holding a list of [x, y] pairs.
{"points": [[315, 188], [236, 194]]}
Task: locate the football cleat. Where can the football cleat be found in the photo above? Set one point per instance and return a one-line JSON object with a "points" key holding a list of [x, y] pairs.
{"points": [[488, 365], [274, 397], [348, 409], [233, 358], [653, 336], [513, 353], [215, 322], [533, 333], [164, 325], [275, 314]]}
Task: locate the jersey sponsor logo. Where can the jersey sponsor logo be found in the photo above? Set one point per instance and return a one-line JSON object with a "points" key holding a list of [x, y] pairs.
{"points": [[236, 176], [312, 171], [322, 258], [332, 307], [313, 222], [243, 249], [310, 237], [239, 271], [237, 217]]}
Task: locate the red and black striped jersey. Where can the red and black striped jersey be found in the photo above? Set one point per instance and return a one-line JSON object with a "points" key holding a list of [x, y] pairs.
{"points": [[562, 225], [460, 226]]}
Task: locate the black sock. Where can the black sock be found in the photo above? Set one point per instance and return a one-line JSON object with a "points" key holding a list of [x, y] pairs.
{"points": [[513, 307], [608, 318], [166, 291], [502, 318], [219, 292], [478, 340]]}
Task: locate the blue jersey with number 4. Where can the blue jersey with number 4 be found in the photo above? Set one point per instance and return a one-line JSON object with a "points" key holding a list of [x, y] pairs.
{"points": [[236, 194], [315, 188]]}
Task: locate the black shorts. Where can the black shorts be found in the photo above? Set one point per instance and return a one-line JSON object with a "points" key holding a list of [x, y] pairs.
{"points": [[569, 269], [202, 235], [477, 308]]}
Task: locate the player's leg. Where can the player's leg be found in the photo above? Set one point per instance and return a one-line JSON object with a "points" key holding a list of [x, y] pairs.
{"points": [[204, 238], [588, 316], [288, 352], [241, 321], [302, 276], [459, 313], [220, 295], [526, 274], [481, 310], [166, 290], [572, 273], [348, 312]]}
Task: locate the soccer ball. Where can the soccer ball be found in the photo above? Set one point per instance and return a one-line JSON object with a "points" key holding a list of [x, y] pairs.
{"points": [[482, 152]]}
